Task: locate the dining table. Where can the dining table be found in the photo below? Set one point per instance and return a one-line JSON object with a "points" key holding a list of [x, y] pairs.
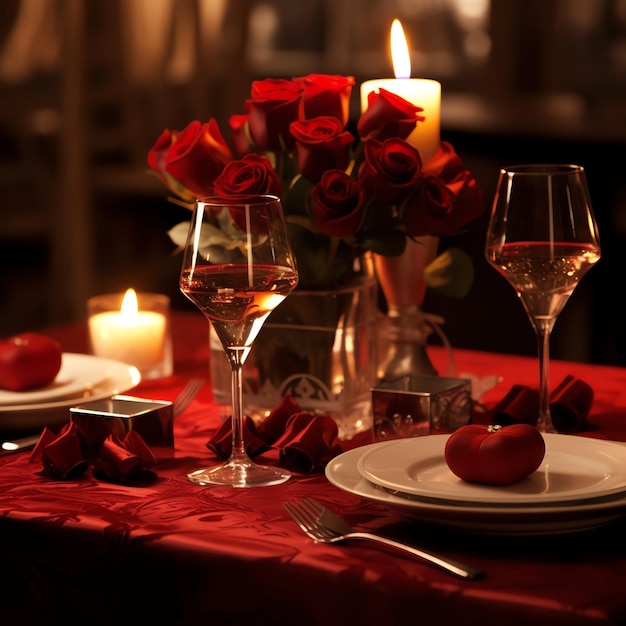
{"points": [[83, 550]]}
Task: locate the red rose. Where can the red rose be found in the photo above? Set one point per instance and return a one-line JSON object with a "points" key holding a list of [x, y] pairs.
{"points": [[253, 174], [321, 144], [388, 115], [189, 161], [338, 204], [446, 199], [427, 208], [323, 94], [391, 169], [272, 107], [468, 202], [239, 133]]}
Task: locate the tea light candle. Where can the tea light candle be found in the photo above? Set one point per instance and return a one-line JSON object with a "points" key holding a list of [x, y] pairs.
{"points": [[134, 336], [421, 92]]}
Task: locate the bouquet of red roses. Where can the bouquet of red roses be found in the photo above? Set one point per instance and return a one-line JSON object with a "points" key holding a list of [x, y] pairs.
{"points": [[342, 194]]}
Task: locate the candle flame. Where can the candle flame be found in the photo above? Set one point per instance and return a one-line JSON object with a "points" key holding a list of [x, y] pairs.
{"points": [[130, 306], [400, 51]]}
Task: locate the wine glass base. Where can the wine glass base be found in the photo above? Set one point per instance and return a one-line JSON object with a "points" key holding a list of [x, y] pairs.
{"points": [[240, 474]]}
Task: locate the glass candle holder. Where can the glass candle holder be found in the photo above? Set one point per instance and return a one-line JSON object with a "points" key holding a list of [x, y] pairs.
{"points": [[133, 328]]}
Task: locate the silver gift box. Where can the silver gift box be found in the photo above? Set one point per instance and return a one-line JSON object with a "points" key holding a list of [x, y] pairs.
{"points": [[152, 419], [412, 406]]}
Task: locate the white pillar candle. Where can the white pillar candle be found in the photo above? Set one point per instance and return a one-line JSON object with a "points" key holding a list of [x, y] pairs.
{"points": [[134, 336], [421, 92]]}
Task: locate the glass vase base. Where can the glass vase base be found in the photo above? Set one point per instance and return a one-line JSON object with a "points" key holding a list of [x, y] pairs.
{"points": [[240, 474]]}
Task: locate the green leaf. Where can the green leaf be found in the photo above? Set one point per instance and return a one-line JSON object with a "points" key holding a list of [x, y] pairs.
{"points": [[302, 221], [451, 273], [392, 243], [321, 263], [296, 200], [177, 188], [211, 236], [178, 234]]}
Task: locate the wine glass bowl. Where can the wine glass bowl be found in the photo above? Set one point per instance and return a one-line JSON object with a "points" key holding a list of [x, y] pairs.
{"points": [[238, 266], [543, 238]]}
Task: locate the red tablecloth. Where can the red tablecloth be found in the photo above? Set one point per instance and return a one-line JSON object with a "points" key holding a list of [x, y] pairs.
{"points": [[91, 552]]}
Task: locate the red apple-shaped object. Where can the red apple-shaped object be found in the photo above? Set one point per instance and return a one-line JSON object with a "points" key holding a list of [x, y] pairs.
{"points": [[494, 455], [29, 360]]}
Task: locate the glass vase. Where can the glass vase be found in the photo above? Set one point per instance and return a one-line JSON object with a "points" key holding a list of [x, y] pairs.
{"points": [[406, 328], [319, 346]]}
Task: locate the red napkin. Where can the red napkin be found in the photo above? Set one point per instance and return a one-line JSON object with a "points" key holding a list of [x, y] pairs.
{"points": [[308, 443], [305, 443], [273, 426], [519, 406], [123, 460], [570, 404], [221, 442], [118, 460], [62, 454]]}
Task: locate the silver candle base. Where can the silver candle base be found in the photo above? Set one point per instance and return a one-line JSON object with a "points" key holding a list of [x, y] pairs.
{"points": [[153, 420], [412, 406]]}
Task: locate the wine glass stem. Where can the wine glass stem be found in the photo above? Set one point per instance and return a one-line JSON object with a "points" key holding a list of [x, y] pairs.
{"points": [[544, 422], [239, 448]]}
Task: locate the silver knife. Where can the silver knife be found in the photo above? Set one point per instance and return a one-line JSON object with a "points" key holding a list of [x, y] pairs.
{"points": [[17, 445]]}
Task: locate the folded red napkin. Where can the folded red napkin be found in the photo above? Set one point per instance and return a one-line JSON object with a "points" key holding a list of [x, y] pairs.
{"points": [[61, 454], [64, 457], [304, 442], [221, 443], [124, 460], [519, 406], [570, 404], [308, 443], [273, 426]]}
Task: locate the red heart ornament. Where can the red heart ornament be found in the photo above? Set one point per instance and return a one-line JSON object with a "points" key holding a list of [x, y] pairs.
{"points": [[29, 360], [494, 455]]}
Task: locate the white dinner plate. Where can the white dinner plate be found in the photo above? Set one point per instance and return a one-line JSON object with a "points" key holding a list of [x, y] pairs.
{"points": [[74, 377], [82, 377], [573, 469], [510, 520]]}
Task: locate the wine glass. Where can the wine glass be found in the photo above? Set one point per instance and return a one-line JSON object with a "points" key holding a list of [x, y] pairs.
{"points": [[238, 266], [543, 238]]}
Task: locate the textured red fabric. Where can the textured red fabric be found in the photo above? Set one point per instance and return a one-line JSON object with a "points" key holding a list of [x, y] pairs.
{"points": [[88, 551]]}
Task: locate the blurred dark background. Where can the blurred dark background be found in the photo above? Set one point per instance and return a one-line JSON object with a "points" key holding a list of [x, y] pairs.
{"points": [[86, 86]]}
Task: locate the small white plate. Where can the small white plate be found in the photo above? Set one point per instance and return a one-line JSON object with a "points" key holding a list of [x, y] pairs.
{"points": [[82, 377], [75, 376], [525, 520], [573, 469]]}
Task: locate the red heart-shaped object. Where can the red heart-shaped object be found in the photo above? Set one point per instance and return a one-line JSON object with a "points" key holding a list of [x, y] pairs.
{"points": [[494, 455], [29, 360]]}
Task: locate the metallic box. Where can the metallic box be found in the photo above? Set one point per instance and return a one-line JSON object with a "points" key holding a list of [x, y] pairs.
{"points": [[411, 406], [152, 419]]}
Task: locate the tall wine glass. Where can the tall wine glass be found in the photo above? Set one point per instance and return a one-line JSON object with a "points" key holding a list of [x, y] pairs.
{"points": [[542, 237], [237, 268]]}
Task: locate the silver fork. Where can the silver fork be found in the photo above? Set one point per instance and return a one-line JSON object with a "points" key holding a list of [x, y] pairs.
{"points": [[321, 524], [185, 397]]}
